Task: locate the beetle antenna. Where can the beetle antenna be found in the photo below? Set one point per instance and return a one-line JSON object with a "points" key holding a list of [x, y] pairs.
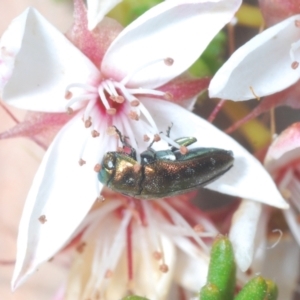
{"points": [[125, 143]]}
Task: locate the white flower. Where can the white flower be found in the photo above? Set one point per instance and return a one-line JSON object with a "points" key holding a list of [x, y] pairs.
{"points": [[244, 231], [267, 64], [122, 89]]}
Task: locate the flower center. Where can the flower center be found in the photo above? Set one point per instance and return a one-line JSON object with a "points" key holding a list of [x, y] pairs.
{"points": [[112, 103]]}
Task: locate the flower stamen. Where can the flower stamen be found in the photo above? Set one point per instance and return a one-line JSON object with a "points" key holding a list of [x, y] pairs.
{"points": [[294, 48], [133, 115], [164, 268], [135, 103], [167, 61], [88, 123], [95, 133], [81, 162]]}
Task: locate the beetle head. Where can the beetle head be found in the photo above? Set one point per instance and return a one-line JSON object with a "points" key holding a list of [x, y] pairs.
{"points": [[108, 167]]}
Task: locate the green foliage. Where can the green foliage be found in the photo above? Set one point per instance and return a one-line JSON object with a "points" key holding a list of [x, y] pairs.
{"points": [[212, 58], [221, 278], [128, 10]]}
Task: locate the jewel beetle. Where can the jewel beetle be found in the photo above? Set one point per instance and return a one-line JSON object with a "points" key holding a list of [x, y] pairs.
{"points": [[163, 173]]}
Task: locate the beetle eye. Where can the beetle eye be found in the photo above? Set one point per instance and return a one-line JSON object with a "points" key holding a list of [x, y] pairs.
{"points": [[109, 161]]}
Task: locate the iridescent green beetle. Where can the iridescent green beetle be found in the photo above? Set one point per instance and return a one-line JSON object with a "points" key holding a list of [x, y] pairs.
{"points": [[163, 173]]}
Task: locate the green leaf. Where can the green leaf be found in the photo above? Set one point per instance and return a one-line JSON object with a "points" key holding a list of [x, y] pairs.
{"points": [[222, 268], [210, 292], [272, 290], [255, 289]]}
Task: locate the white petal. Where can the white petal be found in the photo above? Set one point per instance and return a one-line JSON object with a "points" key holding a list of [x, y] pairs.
{"points": [[63, 192], [291, 217], [263, 63], [243, 231], [246, 179], [191, 267], [281, 266], [175, 29], [45, 64], [98, 9]]}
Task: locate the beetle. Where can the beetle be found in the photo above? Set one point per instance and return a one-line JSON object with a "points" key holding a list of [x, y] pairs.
{"points": [[163, 173]]}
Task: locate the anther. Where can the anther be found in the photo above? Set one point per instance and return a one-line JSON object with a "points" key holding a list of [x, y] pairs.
{"points": [[88, 123], [198, 228], [295, 65], [164, 268], [68, 95], [81, 162], [135, 103], [109, 274], [42, 219], [156, 138], [97, 168], [133, 115], [146, 138], [249, 272], [137, 167], [169, 61], [111, 130], [168, 96], [70, 111], [100, 199], [80, 247], [111, 111], [297, 23], [119, 99], [183, 150], [157, 255], [95, 133]]}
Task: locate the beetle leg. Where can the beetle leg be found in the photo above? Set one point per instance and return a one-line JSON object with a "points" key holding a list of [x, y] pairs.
{"points": [[126, 144], [149, 147], [169, 130]]}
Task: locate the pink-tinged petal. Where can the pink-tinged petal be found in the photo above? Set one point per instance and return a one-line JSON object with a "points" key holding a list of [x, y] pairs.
{"points": [[243, 232], [97, 10], [246, 179], [40, 127], [61, 195], [173, 30], [285, 149], [275, 11], [92, 43], [45, 64], [262, 66], [184, 87]]}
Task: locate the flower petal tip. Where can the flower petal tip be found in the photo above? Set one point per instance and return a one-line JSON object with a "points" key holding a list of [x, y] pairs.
{"points": [[18, 280]]}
